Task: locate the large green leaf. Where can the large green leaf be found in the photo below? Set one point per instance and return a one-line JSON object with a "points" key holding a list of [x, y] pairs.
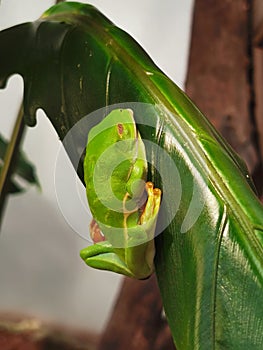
{"points": [[210, 270]]}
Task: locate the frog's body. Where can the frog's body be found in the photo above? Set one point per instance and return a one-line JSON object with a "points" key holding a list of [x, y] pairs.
{"points": [[115, 170]]}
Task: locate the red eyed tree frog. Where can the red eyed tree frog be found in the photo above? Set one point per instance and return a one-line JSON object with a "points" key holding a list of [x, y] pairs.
{"points": [[124, 207]]}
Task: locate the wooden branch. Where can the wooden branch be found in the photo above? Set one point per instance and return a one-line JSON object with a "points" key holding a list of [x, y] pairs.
{"points": [[258, 23], [258, 90], [219, 77], [136, 321]]}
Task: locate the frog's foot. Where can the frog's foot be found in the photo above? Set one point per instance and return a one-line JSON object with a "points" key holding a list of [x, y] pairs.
{"points": [[126, 261], [95, 232], [140, 254], [104, 256], [152, 205]]}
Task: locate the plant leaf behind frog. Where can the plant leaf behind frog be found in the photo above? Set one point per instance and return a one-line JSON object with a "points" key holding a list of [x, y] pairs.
{"points": [[209, 266], [24, 170]]}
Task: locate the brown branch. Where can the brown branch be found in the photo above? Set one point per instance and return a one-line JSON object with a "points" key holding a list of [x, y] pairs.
{"points": [[258, 23], [219, 77], [136, 321]]}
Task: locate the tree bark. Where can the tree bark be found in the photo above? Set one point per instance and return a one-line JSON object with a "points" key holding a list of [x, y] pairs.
{"points": [[220, 79], [258, 22], [258, 88], [137, 321]]}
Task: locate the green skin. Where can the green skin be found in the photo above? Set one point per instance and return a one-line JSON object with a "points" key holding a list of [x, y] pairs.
{"points": [[123, 227]]}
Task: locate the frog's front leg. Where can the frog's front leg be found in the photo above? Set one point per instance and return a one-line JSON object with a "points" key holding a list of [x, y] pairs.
{"points": [[95, 232], [136, 259]]}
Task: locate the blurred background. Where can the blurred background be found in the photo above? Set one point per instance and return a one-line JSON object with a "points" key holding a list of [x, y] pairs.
{"points": [[41, 273]]}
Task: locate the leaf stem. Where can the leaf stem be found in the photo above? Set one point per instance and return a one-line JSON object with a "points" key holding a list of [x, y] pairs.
{"points": [[10, 158]]}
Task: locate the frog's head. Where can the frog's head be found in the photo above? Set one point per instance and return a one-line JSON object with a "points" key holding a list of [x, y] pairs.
{"points": [[117, 126], [116, 160]]}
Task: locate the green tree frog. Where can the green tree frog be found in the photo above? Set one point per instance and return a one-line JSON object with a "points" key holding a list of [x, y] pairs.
{"points": [[124, 207]]}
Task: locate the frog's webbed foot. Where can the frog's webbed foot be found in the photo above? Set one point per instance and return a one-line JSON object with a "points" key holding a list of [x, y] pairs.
{"points": [[130, 262], [152, 205], [141, 249], [104, 256], [135, 257]]}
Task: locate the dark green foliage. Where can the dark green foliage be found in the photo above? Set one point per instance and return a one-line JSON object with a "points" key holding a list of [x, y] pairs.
{"points": [[24, 170]]}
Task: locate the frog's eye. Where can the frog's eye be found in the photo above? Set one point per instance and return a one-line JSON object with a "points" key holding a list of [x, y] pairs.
{"points": [[126, 130], [120, 129]]}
